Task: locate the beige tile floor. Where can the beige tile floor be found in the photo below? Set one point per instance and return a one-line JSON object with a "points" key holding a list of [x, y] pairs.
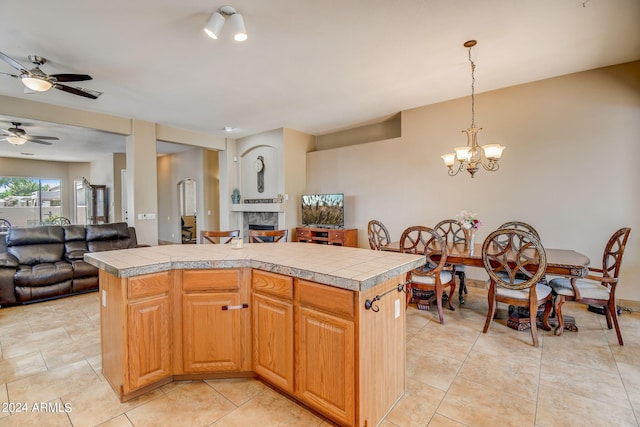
{"points": [[456, 376]]}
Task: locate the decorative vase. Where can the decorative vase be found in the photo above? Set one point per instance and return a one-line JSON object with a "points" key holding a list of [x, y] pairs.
{"points": [[470, 238], [235, 196]]}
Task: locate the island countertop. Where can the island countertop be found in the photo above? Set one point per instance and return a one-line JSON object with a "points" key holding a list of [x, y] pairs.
{"points": [[355, 269]]}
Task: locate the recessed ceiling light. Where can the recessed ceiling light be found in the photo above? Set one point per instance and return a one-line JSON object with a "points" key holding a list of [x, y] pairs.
{"points": [[228, 128]]}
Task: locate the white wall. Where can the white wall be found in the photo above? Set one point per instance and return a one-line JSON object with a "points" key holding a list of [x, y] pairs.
{"points": [[569, 169]]}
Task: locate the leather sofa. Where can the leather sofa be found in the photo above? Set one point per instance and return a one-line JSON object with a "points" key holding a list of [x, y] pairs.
{"points": [[46, 262]]}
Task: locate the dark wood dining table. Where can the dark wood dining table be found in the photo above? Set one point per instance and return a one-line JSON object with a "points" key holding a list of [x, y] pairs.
{"points": [[561, 262]]}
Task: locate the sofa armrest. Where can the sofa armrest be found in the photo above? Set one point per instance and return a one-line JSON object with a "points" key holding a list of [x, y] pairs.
{"points": [[7, 288], [8, 260]]}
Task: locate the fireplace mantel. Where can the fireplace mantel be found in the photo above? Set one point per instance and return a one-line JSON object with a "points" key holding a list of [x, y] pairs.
{"points": [[257, 207]]}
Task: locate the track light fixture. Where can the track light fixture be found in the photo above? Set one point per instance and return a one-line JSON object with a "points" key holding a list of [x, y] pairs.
{"points": [[217, 20]]}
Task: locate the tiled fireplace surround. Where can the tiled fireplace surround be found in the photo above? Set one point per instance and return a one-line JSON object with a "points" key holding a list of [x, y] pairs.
{"points": [[258, 218]]}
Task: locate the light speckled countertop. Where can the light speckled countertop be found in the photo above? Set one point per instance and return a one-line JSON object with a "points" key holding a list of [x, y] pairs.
{"points": [[348, 268]]}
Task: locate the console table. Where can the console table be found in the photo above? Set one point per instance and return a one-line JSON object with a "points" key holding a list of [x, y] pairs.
{"points": [[329, 236]]}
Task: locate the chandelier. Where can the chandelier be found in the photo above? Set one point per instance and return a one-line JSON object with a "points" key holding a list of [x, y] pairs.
{"points": [[473, 155]]}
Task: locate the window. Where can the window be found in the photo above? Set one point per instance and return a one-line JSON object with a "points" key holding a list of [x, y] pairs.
{"points": [[29, 201]]}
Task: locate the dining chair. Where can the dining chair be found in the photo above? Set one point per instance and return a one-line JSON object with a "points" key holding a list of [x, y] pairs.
{"points": [[507, 255], [60, 220], [378, 235], [452, 231], [215, 237], [598, 287], [4, 224], [268, 236], [433, 276], [519, 225]]}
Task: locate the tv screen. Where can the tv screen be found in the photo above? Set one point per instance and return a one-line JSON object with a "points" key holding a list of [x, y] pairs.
{"points": [[323, 209]]}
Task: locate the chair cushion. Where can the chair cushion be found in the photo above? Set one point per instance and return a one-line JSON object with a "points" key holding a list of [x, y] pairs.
{"points": [[588, 289], [445, 277], [542, 291]]}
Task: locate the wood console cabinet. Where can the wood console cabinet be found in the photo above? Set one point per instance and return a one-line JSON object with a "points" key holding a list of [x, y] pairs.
{"points": [[330, 236]]}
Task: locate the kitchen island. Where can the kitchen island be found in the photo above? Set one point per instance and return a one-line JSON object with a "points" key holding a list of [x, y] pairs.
{"points": [[323, 324]]}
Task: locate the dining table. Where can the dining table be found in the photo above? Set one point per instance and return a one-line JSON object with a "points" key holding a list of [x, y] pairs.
{"points": [[561, 262]]}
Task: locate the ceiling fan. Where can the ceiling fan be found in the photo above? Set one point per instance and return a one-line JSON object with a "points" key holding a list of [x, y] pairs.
{"points": [[36, 80], [17, 136]]}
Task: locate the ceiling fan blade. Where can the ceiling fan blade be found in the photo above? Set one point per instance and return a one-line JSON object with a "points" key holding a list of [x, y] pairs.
{"points": [[37, 141], [15, 64], [70, 77], [10, 75], [76, 91], [48, 138]]}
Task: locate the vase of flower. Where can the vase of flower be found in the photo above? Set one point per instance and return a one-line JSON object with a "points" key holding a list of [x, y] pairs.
{"points": [[470, 223]]}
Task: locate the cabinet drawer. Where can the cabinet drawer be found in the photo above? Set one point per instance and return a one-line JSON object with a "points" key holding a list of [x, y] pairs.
{"points": [[198, 280], [303, 234], [326, 298], [149, 284], [272, 284], [336, 237]]}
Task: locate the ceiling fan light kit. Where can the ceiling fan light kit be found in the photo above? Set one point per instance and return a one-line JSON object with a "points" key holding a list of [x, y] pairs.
{"points": [[36, 83], [217, 20], [16, 140]]}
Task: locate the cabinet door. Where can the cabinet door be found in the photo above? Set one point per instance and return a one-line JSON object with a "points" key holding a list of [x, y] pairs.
{"points": [[211, 334], [149, 358], [325, 350], [273, 341]]}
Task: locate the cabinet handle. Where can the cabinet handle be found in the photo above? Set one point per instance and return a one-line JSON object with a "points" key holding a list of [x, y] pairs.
{"points": [[235, 307]]}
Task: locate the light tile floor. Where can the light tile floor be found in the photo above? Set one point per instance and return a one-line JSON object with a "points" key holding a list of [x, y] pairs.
{"points": [[456, 375]]}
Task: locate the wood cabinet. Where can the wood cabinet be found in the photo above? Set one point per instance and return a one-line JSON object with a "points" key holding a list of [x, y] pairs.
{"points": [[310, 354], [329, 236], [318, 343], [325, 346], [135, 317], [148, 341], [273, 353], [215, 327]]}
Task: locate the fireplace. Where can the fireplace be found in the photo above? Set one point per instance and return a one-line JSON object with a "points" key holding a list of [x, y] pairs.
{"points": [[259, 221]]}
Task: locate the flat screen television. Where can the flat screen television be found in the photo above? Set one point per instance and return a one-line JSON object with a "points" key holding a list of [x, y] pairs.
{"points": [[323, 210]]}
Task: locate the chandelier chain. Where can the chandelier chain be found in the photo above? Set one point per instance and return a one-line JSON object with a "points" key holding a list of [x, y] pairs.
{"points": [[473, 86]]}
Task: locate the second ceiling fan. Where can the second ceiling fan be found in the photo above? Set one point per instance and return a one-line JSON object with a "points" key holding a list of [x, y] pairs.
{"points": [[17, 136], [36, 80]]}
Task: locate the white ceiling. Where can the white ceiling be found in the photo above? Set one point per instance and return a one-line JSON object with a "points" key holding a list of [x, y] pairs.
{"points": [[316, 66]]}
